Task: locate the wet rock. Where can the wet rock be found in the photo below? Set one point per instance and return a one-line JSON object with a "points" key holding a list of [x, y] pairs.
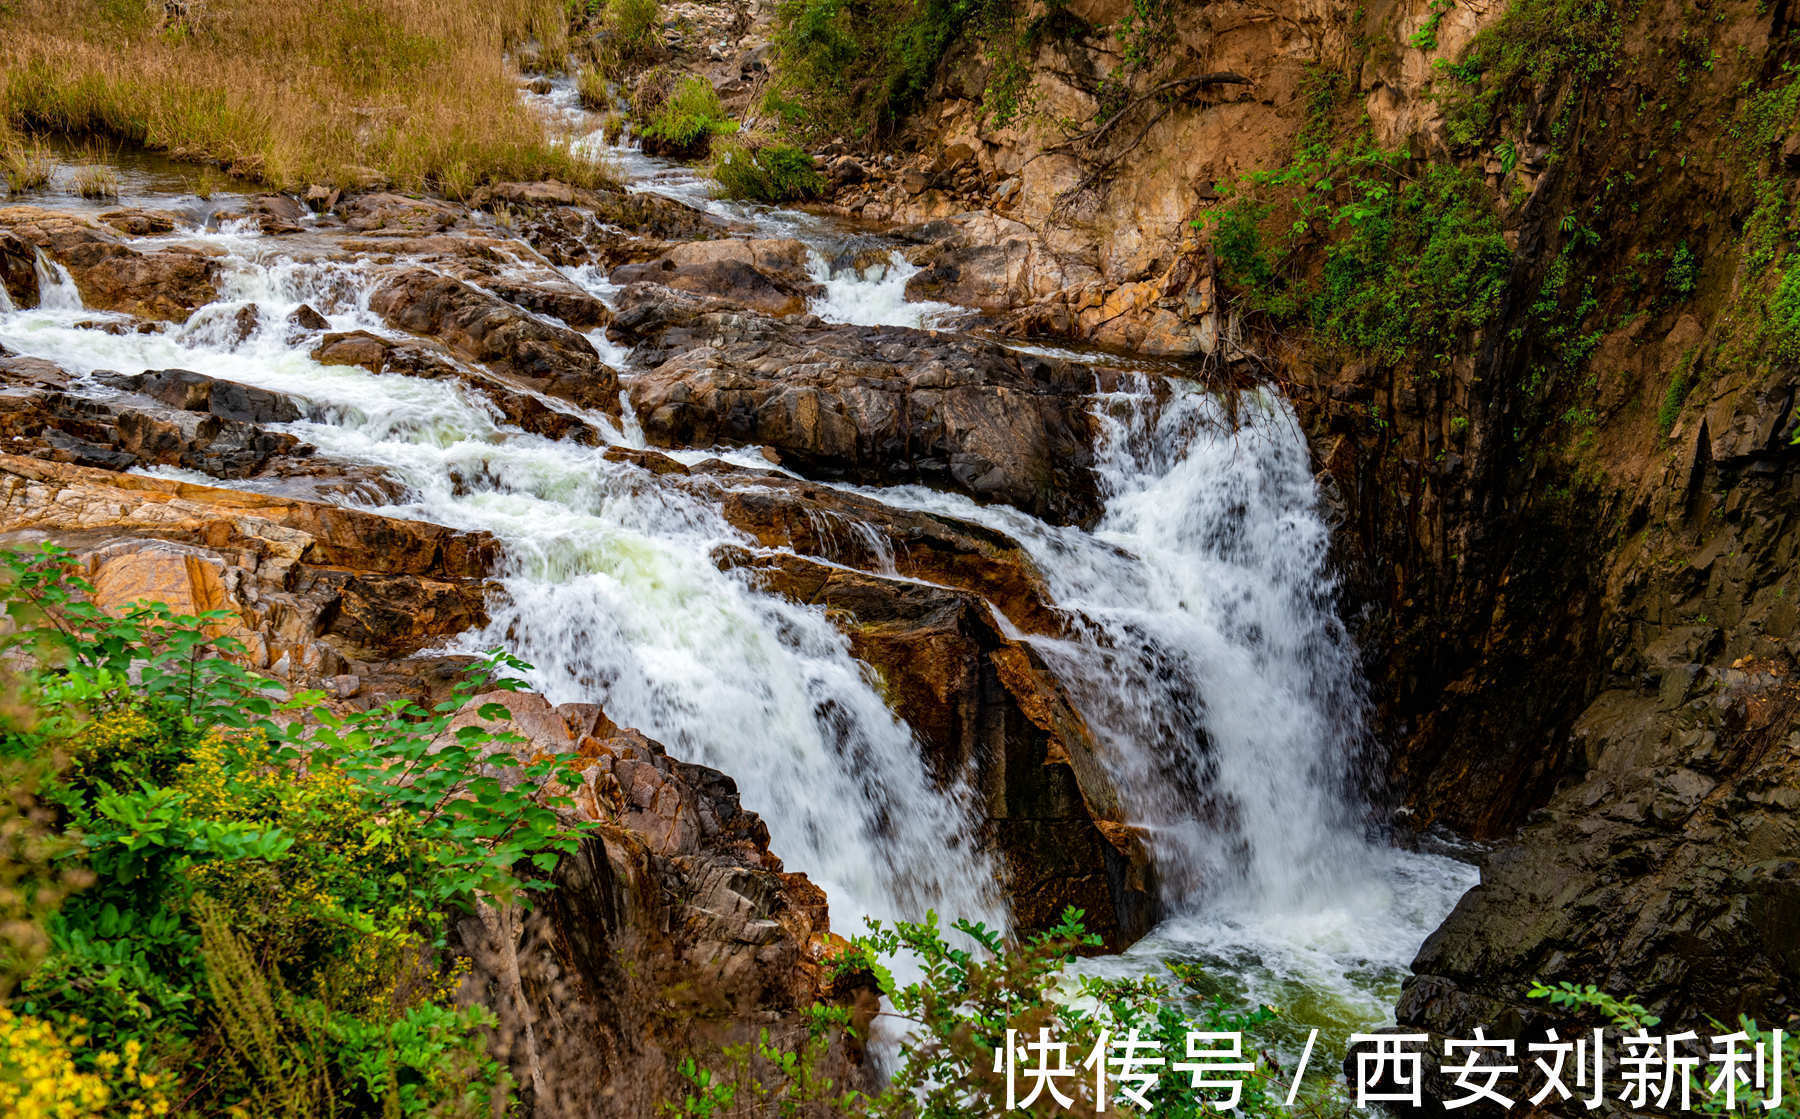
{"points": [[142, 223], [508, 341], [554, 296], [397, 215], [18, 269], [415, 359], [762, 275], [304, 318], [876, 405], [219, 447], [783, 512], [164, 283], [673, 899], [196, 392], [986, 707]]}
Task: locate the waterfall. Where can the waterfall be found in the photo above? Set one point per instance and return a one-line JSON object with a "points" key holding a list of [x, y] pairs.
{"points": [[1225, 695], [56, 288]]}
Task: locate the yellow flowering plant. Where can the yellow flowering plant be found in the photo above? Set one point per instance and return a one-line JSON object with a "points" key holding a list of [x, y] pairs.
{"points": [[273, 881]]}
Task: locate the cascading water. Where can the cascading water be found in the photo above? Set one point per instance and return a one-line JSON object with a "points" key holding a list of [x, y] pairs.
{"points": [[1206, 655], [608, 589], [56, 288], [1207, 658]]}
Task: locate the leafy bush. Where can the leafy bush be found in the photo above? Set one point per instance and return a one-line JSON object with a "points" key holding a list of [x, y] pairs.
{"points": [[1783, 322], [1411, 261], [765, 172], [1629, 1016], [272, 881], [1683, 274], [856, 67], [959, 1013], [685, 122]]}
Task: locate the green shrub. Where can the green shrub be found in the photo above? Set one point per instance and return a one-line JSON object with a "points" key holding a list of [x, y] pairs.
{"points": [[684, 124], [856, 67], [1411, 261], [959, 1013], [1783, 323], [272, 883], [765, 172], [1683, 274]]}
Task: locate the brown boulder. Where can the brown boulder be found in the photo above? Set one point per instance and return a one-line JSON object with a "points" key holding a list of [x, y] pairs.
{"points": [[671, 929], [872, 405], [18, 269], [759, 274], [508, 341]]}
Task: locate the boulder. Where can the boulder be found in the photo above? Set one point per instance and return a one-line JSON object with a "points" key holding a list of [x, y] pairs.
{"points": [[487, 329], [769, 276], [872, 405], [671, 929], [165, 283]]}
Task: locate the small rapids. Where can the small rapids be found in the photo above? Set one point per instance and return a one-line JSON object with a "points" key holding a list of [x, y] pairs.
{"points": [[1206, 655]]}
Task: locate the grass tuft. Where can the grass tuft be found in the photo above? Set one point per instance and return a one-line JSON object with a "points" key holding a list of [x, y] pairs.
{"points": [[683, 123], [764, 170], [290, 92], [25, 164]]}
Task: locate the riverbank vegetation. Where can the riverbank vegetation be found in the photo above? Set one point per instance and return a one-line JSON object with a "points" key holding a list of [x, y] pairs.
{"points": [[218, 899], [410, 92]]}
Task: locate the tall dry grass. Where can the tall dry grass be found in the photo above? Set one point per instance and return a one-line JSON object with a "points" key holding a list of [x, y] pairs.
{"points": [[292, 92]]}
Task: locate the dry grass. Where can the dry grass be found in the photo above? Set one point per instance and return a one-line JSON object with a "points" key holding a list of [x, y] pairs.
{"points": [[25, 163], [291, 92]]}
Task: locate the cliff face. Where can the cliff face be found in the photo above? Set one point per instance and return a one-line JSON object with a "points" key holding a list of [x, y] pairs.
{"points": [[1568, 515]]}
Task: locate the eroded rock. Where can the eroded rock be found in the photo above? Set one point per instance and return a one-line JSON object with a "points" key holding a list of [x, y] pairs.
{"points": [[876, 405]]}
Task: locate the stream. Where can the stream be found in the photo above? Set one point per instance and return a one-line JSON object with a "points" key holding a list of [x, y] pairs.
{"points": [[1207, 658]]}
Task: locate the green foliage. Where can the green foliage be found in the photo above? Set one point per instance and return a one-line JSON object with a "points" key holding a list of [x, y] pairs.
{"points": [[1683, 275], [1536, 45], [272, 881], [1411, 262], [1630, 1016], [970, 992], [855, 67], [1680, 385], [765, 172], [1782, 326], [687, 120], [1425, 38]]}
